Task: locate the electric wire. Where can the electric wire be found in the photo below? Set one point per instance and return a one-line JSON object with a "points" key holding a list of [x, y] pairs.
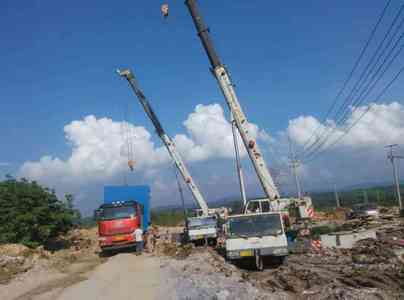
{"points": [[369, 86], [364, 94], [361, 116], [350, 75], [371, 64]]}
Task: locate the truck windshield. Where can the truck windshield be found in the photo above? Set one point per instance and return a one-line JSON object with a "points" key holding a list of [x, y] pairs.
{"points": [[201, 222], [118, 212], [255, 225]]}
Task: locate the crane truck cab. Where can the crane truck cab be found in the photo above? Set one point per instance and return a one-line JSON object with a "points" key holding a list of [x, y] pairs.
{"points": [[256, 235], [125, 209], [201, 229], [300, 209]]}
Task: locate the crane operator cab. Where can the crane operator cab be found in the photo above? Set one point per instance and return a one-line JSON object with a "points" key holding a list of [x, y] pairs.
{"points": [[255, 236], [201, 230]]}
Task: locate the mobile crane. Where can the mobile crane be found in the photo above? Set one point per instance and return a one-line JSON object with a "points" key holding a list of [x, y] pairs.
{"points": [[254, 233], [204, 226]]}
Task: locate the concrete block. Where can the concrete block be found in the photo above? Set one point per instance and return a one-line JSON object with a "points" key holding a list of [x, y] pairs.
{"points": [[346, 239]]}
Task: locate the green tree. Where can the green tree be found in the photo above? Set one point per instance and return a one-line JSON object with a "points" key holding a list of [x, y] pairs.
{"points": [[69, 200], [31, 214]]}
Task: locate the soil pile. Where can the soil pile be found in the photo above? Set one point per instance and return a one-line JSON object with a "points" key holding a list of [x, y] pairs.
{"points": [[77, 245], [369, 270]]}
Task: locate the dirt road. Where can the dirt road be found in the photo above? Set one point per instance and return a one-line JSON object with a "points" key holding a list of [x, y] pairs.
{"points": [[122, 277], [373, 269]]}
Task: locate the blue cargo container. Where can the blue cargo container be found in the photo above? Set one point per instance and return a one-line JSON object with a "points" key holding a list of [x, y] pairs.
{"points": [[138, 193]]}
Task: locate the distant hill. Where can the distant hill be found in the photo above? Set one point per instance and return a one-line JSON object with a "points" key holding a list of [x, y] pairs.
{"points": [[382, 193]]}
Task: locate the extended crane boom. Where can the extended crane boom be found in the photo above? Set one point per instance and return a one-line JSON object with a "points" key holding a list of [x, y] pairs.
{"points": [[223, 78], [172, 150]]}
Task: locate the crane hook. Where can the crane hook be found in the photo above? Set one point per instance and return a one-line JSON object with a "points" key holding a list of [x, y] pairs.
{"points": [[164, 10]]}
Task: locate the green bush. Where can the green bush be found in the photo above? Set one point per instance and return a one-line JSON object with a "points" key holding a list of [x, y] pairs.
{"points": [[32, 214]]}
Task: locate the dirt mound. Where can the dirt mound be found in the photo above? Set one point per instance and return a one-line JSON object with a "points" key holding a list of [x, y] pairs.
{"points": [[368, 270], [14, 259], [370, 251], [77, 245], [174, 250], [339, 214], [14, 250], [10, 266]]}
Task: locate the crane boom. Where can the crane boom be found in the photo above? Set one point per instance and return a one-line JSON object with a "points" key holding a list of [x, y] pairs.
{"points": [[223, 78], [170, 145]]}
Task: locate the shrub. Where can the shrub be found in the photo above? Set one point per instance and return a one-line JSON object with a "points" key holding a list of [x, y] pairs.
{"points": [[32, 214]]}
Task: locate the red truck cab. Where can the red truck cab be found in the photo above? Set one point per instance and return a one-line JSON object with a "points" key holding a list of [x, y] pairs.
{"points": [[117, 222]]}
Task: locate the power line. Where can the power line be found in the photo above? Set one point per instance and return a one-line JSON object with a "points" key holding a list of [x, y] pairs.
{"points": [[363, 96], [372, 83], [356, 103], [360, 117], [362, 78], [326, 134], [350, 75]]}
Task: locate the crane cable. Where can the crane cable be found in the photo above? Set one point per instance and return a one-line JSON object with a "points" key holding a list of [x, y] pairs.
{"points": [[181, 191], [128, 134]]}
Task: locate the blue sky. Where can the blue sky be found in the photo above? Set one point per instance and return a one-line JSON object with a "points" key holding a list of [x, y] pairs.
{"points": [[58, 61], [288, 58]]}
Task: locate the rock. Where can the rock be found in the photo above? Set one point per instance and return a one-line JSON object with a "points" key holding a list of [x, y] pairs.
{"points": [[223, 295]]}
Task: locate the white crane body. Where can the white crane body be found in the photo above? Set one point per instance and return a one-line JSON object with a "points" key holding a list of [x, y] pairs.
{"points": [[168, 142], [243, 239], [243, 126], [227, 87]]}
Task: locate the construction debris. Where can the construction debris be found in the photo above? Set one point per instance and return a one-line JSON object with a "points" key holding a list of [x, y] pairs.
{"points": [[346, 239], [370, 266]]}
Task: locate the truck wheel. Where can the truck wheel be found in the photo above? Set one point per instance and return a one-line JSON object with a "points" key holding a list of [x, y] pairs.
{"points": [[284, 260], [259, 262], [106, 253]]}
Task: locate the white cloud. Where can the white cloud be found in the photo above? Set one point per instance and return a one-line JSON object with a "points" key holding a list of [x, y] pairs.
{"points": [[97, 147], [382, 124], [210, 135], [99, 152], [4, 164], [96, 153], [360, 155]]}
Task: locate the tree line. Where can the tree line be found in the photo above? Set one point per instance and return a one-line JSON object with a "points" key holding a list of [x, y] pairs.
{"points": [[32, 214]]}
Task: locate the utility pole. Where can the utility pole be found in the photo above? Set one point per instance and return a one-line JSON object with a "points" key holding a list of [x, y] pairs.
{"points": [[238, 162], [393, 159], [294, 164], [365, 196], [336, 196]]}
